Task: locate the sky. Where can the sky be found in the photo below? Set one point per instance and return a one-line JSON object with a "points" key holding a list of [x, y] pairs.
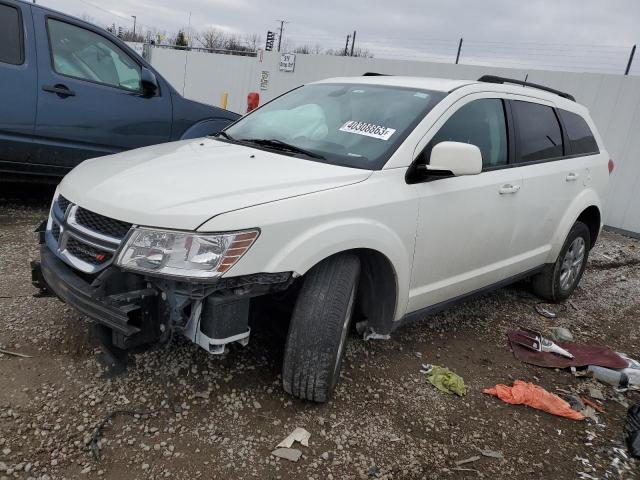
{"points": [[573, 35]]}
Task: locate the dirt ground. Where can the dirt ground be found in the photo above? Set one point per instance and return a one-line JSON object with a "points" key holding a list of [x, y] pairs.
{"points": [[201, 416]]}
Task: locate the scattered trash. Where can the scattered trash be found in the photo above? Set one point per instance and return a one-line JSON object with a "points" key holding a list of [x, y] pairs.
{"points": [[561, 334], [545, 309], [594, 405], [368, 333], [596, 393], [444, 379], [291, 454], [533, 340], [475, 458], [94, 441], [14, 354], [584, 355], [623, 378], [298, 435], [524, 393], [575, 402], [590, 413], [632, 431], [492, 454], [373, 471]]}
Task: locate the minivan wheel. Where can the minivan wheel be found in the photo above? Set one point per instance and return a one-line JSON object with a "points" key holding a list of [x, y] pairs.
{"points": [[558, 280], [319, 327]]}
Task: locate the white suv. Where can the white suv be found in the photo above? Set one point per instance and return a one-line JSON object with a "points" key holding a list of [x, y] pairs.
{"points": [[378, 198]]}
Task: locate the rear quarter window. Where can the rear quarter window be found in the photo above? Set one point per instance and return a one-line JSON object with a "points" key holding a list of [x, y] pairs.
{"points": [[539, 136], [580, 137], [11, 36]]}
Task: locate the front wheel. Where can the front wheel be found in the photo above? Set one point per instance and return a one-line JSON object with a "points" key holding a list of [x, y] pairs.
{"points": [[558, 280], [319, 327]]}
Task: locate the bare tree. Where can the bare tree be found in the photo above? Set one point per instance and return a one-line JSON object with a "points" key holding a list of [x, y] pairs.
{"points": [[304, 49], [211, 38], [253, 41]]}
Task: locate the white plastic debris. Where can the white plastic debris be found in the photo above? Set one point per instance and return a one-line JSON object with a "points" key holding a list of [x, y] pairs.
{"points": [[298, 435], [291, 454]]}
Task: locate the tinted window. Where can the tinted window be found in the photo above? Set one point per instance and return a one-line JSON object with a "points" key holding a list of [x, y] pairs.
{"points": [[579, 134], [10, 35], [539, 133], [80, 53], [480, 123]]}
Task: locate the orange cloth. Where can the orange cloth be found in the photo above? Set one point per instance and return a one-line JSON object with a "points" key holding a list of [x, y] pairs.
{"points": [[534, 396]]}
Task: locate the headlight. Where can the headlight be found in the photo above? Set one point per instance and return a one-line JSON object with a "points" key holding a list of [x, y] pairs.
{"points": [[184, 254]]}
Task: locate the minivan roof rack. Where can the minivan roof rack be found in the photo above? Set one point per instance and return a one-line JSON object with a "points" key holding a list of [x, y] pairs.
{"points": [[375, 74], [496, 79]]}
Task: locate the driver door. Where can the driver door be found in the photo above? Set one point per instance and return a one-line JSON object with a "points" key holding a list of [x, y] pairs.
{"points": [[466, 224], [90, 100]]}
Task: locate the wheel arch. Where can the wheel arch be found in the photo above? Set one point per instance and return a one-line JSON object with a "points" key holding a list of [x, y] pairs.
{"points": [[592, 218]]}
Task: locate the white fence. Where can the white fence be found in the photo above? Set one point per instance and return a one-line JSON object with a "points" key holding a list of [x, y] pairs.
{"points": [[614, 100]]}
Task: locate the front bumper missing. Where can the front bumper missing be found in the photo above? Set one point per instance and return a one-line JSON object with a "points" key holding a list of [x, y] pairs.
{"points": [[140, 310]]}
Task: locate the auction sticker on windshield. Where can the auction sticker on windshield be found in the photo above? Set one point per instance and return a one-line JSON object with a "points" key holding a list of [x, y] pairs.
{"points": [[368, 129]]}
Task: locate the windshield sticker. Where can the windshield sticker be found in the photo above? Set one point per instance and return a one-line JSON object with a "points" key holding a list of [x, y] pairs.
{"points": [[368, 129]]}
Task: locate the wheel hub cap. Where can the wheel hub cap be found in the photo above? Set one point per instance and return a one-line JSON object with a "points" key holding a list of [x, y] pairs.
{"points": [[572, 264]]}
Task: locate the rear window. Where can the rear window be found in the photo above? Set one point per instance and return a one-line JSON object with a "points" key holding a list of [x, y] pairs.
{"points": [[580, 137], [539, 133], [10, 35]]}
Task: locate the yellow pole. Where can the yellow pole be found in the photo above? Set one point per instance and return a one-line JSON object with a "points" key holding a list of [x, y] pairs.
{"points": [[223, 100]]}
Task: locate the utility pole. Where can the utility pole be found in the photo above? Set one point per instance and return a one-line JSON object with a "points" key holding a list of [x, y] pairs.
{"points": [[134, 25], [459, 49], [353, 42], [346, 46], [633, 52], [282, 22]]}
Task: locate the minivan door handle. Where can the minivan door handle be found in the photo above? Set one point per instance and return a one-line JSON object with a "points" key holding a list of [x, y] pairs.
{"points": [[508, 188], [571, 177], [59, 89]]}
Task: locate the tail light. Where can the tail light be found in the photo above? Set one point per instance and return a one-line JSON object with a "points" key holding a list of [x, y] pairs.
{"points": [[611, 166]]}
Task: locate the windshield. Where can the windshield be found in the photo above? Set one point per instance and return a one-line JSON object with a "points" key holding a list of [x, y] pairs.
{"points": [[345, 124]]}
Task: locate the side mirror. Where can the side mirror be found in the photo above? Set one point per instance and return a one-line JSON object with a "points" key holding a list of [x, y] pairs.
{"points": [[148, 82], [456, 157]]}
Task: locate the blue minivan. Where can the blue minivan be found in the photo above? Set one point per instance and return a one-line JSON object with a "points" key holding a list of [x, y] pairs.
{"points": [[71, 91]]}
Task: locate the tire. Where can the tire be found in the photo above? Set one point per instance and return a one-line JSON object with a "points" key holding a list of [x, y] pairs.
{"points": [[319, 328], [557, 281]]}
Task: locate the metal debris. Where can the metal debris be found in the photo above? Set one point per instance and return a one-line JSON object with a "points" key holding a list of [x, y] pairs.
{"points": [[14, 354]]}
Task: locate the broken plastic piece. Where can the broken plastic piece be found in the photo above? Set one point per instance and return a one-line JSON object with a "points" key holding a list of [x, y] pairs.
{"points": [[534, 340], [524, 393], [298, 435], [291, 454]]}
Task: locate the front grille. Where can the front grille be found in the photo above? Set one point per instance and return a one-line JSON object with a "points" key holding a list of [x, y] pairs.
{"points": [[87, 253], [55, 231], [63, 203], [101, 224]]}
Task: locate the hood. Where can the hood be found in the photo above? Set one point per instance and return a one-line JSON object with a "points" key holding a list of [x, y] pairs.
{"points": [[183, 184]]}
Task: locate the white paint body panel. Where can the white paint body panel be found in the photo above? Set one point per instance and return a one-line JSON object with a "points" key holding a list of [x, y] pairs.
{"points": [[444, 238]]}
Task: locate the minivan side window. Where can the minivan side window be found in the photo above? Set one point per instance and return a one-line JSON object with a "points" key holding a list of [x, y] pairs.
{"points": [[538, 132], [80, 53], [480, 123], [580, 136], [11, 36]]}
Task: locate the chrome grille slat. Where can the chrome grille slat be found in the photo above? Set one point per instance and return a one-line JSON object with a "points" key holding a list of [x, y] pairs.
{"points": [[84, 239]]}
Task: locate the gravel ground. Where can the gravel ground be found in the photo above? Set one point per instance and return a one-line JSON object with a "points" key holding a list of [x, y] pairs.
{"points": [[191, 415]]}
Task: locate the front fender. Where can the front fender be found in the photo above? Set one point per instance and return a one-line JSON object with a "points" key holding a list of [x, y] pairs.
{"points": [[206, 127], [585, 199]]}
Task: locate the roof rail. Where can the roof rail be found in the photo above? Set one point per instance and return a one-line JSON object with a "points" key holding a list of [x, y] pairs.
{"points": [[375, 74], [496, 79]]}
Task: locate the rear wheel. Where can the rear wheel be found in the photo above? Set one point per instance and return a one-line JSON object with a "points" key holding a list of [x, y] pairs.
{"points": [[558, 280], [319, 327]]}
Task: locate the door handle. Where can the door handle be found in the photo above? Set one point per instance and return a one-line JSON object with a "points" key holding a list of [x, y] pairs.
{"points": [[59, 90], [508, 188], [571, 177]]}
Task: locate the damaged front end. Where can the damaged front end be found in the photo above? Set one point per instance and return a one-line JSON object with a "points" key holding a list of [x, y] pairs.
{"points": [[133, 309]]}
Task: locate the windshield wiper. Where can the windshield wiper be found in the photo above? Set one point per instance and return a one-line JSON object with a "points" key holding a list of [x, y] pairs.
{"points": [[225, 135], [280, 145]]}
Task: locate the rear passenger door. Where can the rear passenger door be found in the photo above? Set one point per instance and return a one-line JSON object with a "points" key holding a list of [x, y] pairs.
{"points": [[18, 77], [552, 177]]}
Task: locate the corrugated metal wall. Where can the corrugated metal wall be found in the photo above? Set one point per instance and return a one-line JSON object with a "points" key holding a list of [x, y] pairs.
{"points": [[614, 100]]}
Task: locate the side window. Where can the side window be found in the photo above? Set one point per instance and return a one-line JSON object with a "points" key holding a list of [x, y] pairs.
{"points": [[581, 138], [480, 123], [80, 53], [11, 36], [538, 132]]}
